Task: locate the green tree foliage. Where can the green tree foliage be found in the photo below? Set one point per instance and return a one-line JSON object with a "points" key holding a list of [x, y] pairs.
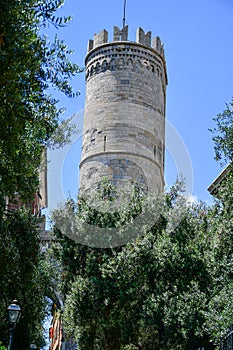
{"points": [[150, 293], [219, 316], [29, 66], [23, 276], [223, 134], [2, 347]]}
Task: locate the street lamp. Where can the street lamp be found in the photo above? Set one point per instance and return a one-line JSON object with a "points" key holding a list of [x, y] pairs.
{"points": [[14, 313]]}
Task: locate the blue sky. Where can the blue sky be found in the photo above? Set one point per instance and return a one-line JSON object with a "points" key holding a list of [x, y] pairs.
{"points": [[197, 37]]}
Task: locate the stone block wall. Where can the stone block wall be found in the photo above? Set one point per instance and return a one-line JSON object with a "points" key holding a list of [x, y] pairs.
{"points": [[124, 117]]}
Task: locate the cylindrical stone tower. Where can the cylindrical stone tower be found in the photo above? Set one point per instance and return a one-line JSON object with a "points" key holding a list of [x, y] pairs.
{"points": [[124, 120]]}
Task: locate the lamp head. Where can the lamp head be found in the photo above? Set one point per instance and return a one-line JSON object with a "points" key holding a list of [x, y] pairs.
{"points": [[14, 312]]}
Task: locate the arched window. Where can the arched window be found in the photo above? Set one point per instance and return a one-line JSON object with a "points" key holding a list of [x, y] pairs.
{"points": [[145, 65], [130, 62], [113, 64], [92, 70], [104, 65], [97, 68], [120, 63], [137, 66]]}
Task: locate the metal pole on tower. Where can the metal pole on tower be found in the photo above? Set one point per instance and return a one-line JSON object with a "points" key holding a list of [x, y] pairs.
{"points": [[124, 13]]}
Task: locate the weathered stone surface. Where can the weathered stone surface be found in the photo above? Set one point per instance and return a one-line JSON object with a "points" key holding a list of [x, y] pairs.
{"points": [[124, 118]]}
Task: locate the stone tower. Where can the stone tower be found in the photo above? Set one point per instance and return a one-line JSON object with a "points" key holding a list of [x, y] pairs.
{"points": [[124, 119]]}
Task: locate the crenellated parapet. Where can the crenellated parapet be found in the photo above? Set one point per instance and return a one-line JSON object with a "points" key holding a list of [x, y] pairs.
{"points": [[122, 35], [132, 56], [157, 45], [99, 39], [143, 38]]}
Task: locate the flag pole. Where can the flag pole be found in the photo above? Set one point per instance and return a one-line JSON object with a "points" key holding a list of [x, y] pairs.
{"points": [[124, 13]]}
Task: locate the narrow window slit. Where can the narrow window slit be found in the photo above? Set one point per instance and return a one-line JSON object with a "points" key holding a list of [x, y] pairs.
{"points": [[105, 139]]}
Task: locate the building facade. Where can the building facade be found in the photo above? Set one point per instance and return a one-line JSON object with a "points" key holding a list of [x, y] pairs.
{"points": [[124, 119], [219, 181]]}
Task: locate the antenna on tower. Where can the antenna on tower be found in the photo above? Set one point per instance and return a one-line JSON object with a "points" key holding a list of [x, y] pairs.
{"points": [[124, 13]]}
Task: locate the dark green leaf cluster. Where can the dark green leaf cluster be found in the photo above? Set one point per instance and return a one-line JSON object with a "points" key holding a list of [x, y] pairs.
{"points": [[219, 316], [99, 221], [23, 276], [29, 65], [153, 292], [223, 134]]}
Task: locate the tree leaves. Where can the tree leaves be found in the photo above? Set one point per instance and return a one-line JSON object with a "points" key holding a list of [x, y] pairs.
{"points": [[30, 64], [223, 135], [23, 276], [151, 293]]}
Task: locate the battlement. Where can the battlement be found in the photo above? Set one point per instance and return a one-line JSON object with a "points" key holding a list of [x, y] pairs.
{"points": [[122, 35]]}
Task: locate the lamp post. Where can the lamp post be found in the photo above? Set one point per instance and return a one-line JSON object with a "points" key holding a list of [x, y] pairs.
{"points": [[14, 313]]}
